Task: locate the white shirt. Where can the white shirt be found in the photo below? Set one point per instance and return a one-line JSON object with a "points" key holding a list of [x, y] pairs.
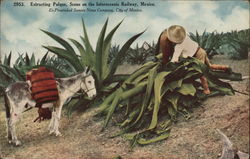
{"points": [[187, 48]]}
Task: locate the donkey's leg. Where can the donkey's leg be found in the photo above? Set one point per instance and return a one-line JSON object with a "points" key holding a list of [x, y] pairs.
{"points": [[52, 122], [11, 133], [7, 107], [56, 115], [58, 111], [14, 117], [16, 111], [9, 137]]}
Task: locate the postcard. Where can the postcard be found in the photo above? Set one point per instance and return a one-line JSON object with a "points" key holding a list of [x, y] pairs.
{"points": [[124, 79]]}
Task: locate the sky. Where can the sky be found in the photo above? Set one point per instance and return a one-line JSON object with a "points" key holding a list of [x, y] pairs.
{"points": [[20, 25]]}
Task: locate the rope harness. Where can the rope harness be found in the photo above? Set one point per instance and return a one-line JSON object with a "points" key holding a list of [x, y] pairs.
{"points": [[82, 82], [86, 86]]}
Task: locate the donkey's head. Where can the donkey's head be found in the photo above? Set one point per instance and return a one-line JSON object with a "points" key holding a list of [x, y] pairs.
{"points": [[88, 84]]}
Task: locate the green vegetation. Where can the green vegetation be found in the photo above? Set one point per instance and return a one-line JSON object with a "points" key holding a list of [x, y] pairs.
{"points": [[235, 44], [10, 73], [98, 59], [167, 91], [239, 43], [140, 55]]}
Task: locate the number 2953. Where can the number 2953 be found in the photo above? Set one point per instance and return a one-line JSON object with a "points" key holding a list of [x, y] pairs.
{"points": [[18, 4]]}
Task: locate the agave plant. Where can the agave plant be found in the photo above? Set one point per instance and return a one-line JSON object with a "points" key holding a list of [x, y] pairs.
{"points": [[96, 59], [57, 63], [240, 42], [113, 53], [6, 79], [17, 72], [150, 51], [9, 74], [20, 66], [152, 97], [140, 55], [136, 56]]}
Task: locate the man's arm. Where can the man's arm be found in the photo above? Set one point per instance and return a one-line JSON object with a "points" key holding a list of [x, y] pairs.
{"points": [[177, 53], [165, 48]]}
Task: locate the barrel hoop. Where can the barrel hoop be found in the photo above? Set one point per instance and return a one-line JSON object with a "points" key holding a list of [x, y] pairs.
{"points": [[39, 71], [46, 90], [42, 98], [44, 79]]}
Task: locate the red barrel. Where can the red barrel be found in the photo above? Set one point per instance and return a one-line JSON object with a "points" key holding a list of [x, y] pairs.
{"points": [[43, 85]]}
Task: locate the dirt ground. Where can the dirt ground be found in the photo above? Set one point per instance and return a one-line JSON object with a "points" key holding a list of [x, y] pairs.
{"points": [[196, 138]]}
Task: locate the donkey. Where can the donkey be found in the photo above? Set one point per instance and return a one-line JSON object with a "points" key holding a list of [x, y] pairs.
{"points": [[18, 99]]}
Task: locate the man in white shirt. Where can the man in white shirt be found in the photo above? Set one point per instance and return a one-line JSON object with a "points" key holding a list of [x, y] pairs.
{"points": [[174, 42]]}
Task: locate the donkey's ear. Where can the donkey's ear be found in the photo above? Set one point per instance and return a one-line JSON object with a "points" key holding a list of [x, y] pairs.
{"points": [[87, 70]]}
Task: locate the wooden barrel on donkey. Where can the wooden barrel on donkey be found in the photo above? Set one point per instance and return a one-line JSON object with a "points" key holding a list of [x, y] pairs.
{"points": [[43, 85], [43, 90]]}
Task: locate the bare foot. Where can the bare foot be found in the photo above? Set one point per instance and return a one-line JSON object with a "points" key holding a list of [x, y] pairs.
{"points": [[207, 91]]}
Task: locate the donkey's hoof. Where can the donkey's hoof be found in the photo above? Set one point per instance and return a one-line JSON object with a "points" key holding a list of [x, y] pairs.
{"points": [[58, 133], [15, 143], [9, 137], [18, 143], [51, 132]]}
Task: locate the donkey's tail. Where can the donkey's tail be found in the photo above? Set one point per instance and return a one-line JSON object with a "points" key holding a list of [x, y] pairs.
{"points": [[7, 106]]}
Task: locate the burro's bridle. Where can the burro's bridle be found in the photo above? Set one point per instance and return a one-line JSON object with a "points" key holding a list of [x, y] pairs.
{"points": [[83, 91], [83, 81]]}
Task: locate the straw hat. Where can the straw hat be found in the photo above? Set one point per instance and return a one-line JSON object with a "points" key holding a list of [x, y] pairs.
{"points": [[176, 33]]}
